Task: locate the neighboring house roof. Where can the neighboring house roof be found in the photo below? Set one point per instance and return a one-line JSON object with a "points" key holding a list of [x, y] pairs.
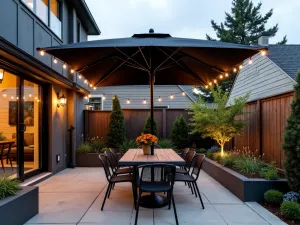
{"points": [[287, 57], [87, 18], [188, 89]]}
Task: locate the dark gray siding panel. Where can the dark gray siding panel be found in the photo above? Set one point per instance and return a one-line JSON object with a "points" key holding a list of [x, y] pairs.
{"points": [[58, 65], [25, 32], [83, 34], [9, 20], [42, 39]]}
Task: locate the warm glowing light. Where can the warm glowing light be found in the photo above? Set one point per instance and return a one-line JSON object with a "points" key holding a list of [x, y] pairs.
{"points": [[55, 60], [171, 96], [234, 70], [18, 98], [85, 81], [226, 74], [95, 88], [86, 97], [90, 96], [79, 76], [221, 76], [241, 67], [4, 95], [35, 98], [30, 95], [12, 97], [195, 89], [103, 97], [42, 52], [72, 71], [91, 85], [128, 101], [144, 102], [38, 100], [159, 99], [183, 93], [215, 81], [65, 66], [24, 97], [210, 83], [206, 86], [250, 61], [263, 52]]}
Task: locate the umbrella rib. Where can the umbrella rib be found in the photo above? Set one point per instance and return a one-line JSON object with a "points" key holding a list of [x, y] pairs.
{"points": [[171, 64], [130, 63], [141, 51], [168, 57], [138, 68], [94, 63], [131, 58], [107, 74], [200, 62], [184, 67]]}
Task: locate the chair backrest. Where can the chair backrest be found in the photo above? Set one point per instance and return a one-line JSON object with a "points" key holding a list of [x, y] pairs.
{"points": [[115, 154], [184, 153], [199, 159], [189, 159], [104, 161], [111, 160], [159, 173]]}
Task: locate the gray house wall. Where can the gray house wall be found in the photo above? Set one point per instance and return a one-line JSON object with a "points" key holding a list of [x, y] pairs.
{"points": [[137, 93], [263, 78]]}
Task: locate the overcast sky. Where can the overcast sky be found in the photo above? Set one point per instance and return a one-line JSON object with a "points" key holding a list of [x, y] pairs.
{"points": [[184, 18]]}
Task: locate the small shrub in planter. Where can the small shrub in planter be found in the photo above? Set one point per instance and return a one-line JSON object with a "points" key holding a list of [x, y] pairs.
{"points": [[291, 210], [96, 145], [228, 161], [269, 172], [180, 133], [165, 143], [291, 197], [84, 147], [248, 165], [8, 187], [273, 197]]}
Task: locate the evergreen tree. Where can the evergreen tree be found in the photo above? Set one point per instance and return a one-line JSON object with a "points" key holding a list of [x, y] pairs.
{"points": [[291, 143], [116, 130], [147, 127], [180, 133], [243, 25]]}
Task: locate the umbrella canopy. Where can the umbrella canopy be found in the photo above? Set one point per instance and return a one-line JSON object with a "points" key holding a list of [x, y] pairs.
{"points": [[173, 61]]}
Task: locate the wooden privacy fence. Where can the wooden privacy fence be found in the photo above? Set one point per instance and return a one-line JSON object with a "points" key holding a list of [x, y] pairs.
{"points": [[97, 122], [264, 129]]}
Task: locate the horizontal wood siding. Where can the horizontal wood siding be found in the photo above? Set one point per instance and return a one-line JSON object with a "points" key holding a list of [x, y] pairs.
{"points": [[264, 129], [137, 93], [97, 122], [262, 79]]}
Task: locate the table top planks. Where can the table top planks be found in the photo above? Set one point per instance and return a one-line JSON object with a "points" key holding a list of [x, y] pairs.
{"points": [[135, 157]]}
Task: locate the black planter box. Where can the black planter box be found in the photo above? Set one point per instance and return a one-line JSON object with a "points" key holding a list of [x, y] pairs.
{"points": [[246, 189], [18, 209], [87, 160]]}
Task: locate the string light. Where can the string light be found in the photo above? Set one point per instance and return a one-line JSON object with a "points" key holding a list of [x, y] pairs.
{"points": [[144, 102], [159, 99], [65, 66], [42, 52], [30, 95], [210, 83], [79, 76], [103, 97], [95, 88], [206, 86], [12, 97], [38, 100], [55, 60], [4, 95], [85, 81], [91, 85], [215, 81], [250, 61], [86, 97], [221, 76], [90, 96], [263, 52], [35, 98], [226, 74], [241, 67], [171, 96], [183, 93], [72, 71], [195, 89], [128, 101], [234, 70], [17, 98]]}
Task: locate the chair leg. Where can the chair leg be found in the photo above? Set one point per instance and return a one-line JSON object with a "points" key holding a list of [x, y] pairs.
{"points": [[134, 195], [199, 194], [137, 210], [107, 190], [169, 199], [10, 162], [193, 184], [174, 207], [111, 187]]}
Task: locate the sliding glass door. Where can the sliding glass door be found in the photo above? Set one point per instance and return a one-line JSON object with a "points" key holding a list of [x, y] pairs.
{"points": [[21, 113]]}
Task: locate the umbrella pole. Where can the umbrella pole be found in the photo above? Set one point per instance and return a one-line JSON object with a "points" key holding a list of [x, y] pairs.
{"points": [[151, 108]]}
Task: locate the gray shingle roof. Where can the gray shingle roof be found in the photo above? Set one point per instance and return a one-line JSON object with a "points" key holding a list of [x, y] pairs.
{"points": [[287, 57]]}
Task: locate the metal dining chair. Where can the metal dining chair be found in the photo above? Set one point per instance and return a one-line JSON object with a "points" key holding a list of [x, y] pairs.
{"points": [[157, 178], [193, 177], [113, 179], [188, 163], [113, 162]]}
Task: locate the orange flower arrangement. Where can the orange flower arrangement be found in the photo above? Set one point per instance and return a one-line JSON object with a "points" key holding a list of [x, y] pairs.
{"points": [[146, 139]]}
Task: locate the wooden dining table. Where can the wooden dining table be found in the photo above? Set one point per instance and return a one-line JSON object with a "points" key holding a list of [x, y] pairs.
{"points": [[135, 157]]}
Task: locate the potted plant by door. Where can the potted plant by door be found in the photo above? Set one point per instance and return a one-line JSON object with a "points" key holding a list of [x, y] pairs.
{"points": [[146, 140]]}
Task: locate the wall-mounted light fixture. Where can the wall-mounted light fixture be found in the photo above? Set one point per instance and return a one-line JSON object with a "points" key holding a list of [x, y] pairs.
{"points": [[1, 75], [62, 100]]}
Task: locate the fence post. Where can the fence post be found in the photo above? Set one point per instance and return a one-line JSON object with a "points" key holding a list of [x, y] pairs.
{"points": [[164, 122]]}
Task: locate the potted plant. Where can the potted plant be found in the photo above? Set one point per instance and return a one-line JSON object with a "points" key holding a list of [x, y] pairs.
{"points": [[146, 140]]}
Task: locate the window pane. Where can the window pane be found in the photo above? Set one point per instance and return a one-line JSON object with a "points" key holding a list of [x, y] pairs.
{"points": [[55, 8], [55, 23], [42, 10]]}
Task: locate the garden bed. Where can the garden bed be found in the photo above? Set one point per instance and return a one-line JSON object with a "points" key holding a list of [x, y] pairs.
{"points": [[87, 159], [19, 208], [246, 189]]}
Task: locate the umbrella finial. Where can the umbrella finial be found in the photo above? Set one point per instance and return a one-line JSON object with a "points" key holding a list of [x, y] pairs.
{"points": [[151, 31]]}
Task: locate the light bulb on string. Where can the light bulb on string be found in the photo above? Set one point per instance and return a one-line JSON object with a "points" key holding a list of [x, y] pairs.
{"points": [[221, 76], [215, 81], [72, 71], [94, 88], [144, 102], [90, 96], [241, 67], [4, 95], [206, 86], [195, 90], [171, 96], [103, 97], [159, 99], [250, 61], [263, 52], [210, 83], [42, 52], [12, 97], [30, 95], [65, 66], [55, 60], [85, 81], [183, 93], [128, 101], [234, 70], [91, 85], [86, 97], [79, 76], [226, 74]]}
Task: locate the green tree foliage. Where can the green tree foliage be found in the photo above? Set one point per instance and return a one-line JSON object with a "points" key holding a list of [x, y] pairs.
{"points": [[243, 25], [147, 127], [218, 122], [180, 133], [291, 143], [116, 130]]}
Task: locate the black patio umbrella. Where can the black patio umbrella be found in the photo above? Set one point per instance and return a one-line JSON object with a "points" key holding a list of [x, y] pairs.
{"points": [[152, 58]]}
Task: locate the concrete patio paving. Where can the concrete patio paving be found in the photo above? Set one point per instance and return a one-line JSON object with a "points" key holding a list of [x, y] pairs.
{"points": [[74, 196]]}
